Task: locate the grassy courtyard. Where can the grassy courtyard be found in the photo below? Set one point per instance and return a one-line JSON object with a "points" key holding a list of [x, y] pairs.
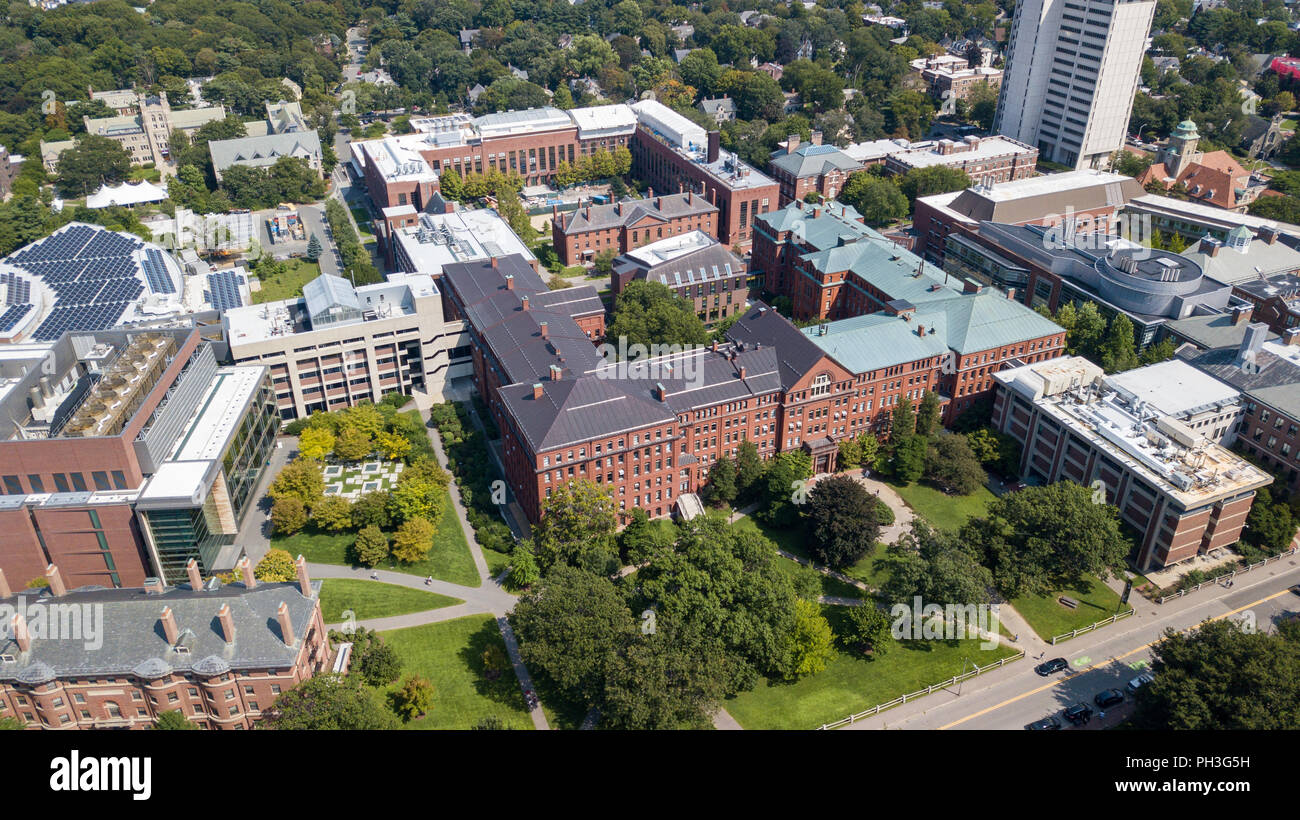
{"points": [[372, 599], [792, 542], [450, 656], [357, 479], [852, 682], [449, 560], [1048, 617], [943, 511], [287, 285]]}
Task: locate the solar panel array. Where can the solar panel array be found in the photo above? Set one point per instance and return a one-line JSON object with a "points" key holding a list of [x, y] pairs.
{"points": [[19, 290], [223, 290], [12, 314], [94, 274], [155, 270]]}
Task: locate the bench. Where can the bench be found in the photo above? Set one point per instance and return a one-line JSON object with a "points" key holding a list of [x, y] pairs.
{"points": [[1067, 601]]}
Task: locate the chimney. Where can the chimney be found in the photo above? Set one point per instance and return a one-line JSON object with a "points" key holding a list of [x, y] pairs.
{"points": [[715, 345], [969, 287], [1214, 247], [1011, 294], [494, 261], [57, 588], [742, 372], [227, 623], [659, 202], [1251, 344], [649, 193], [525, 301], [246, 567], [1291, 336], [18, 627], [510, 277], [4, 586], [587, 211], [1270, 237], [715, 144], [195, 577], [555, 213], [544, 329], [618, 208], [690, 197], [170, 629], [286, 625], [791, 143], [153, 586], [304, 581], [1242, 313], [816, 138], [537, 390], [556, 372], [920, 331], [660, 393]]}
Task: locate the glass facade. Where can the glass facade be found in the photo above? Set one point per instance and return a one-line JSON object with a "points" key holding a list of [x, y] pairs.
{"points": [[202, 532]]}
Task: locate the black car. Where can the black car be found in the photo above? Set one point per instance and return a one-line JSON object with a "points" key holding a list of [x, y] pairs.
{"points": [[1296, 589], [1054, 665], [1109, 698], [1049, 722], [1078, 714]]}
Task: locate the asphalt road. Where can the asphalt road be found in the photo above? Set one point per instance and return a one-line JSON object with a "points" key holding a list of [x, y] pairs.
{"points": [[1014, 696]]}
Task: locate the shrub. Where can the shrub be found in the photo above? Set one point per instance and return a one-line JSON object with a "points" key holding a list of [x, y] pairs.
{"points": [[288, 515], [371, 546]]}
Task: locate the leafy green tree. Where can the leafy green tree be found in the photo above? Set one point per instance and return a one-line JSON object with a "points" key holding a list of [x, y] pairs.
{"points": [[413, 698], [721, 487], [931, 180], [301, 479], [329, 702], [1222, 678], [749, 469], [908, 458], [1271, 525], [315, 443], [995, 451], [333, 513], [842, 524], [1117, 349], [1161, 351], [785, 480], [952, 466], [276, 567], [415, 498], [314, 248], [936, 566], [523, 567], [173, 720], [378, 663], [902, 418], [354, 444], [649, 313], [413, 540], [578, 527], [371, 546], [812, 644], [866, 629], [700, 68], [1042, 539], [372, 509], [640, 539], [288, 515], [662, 681], [927, 415], [92, 162], [878, 199]]}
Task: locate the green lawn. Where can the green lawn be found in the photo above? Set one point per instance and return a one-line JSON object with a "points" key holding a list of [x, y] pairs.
{"points": [[372, 599], [943, 511], [870, 569], [288, 285], [449, 560], [363, 221], [450, 656], [853, 683], [1048, 618]]}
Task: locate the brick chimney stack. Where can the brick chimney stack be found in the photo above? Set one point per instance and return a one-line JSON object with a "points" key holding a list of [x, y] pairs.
{"points": [[57, 587], [494, 262], [304, 581], [246, 567], [537, 390], [5, 592], [227, 622], [525, 301], [544, 329], [920, 331], [1011, 294], [792, 143], [510, 277], [650, 193], [18, 627], [196, 578], [556, 372], [170, 629], [286, 625], [742, 372]]}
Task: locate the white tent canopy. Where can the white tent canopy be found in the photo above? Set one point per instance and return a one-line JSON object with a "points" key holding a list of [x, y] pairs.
{"points": [[126, 194]]}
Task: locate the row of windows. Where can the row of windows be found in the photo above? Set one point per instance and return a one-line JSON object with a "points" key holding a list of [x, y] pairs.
{"points": [[64, 483]]}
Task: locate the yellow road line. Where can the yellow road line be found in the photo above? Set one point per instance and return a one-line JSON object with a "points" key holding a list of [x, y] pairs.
{"points": [[1087, 669]]}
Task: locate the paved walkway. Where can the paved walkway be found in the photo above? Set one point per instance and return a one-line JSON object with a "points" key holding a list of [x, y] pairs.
{"points": [[902, 513], [724, 721]]}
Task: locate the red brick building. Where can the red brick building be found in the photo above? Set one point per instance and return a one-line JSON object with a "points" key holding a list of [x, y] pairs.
{"points": [[582, 234], [695, 267], [813, 168], [218, 654]]}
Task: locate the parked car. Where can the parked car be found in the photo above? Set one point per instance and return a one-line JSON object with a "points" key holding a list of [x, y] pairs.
{"points": [[1296, 589], [1054, 665], [1108, 698], [1078, 714], [1140, 681], [1047, 723]]}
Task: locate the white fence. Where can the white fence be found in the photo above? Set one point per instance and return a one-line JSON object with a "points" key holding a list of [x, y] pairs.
{"points": [[1065, 636], [880, 707], [1229, 576]]}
